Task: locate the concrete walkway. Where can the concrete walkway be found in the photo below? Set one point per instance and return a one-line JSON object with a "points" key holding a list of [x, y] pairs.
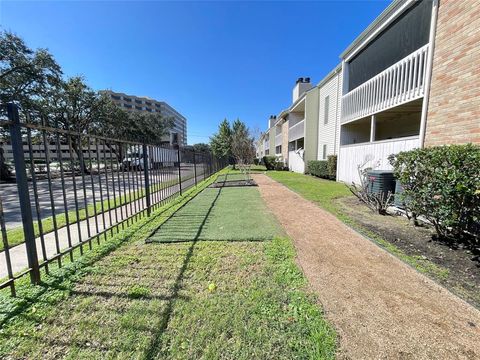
{"points": [[381, 308], [18, 253]]}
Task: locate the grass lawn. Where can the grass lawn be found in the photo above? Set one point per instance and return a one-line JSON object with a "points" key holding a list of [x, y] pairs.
{"points": [[15, 235], [324, 192], [320, 191], [204, 296]]}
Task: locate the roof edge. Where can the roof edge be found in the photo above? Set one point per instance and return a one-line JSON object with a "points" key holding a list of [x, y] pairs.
{"points": [[382, 20]]}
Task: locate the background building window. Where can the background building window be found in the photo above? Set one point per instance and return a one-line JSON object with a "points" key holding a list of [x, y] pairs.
{"points": [[327, 110], [324, 152]]}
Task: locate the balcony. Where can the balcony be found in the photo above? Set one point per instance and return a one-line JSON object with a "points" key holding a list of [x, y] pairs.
{"points": [[370, 154], [296, 131], [400, 83]]}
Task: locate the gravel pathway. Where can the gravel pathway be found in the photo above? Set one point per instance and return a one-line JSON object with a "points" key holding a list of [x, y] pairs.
{"points": [[381, 307]]}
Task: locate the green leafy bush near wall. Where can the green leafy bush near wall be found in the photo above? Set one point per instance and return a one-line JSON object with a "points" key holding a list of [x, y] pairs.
{"points": [[326, 169], [269, 162], [442, 184], [318, 168], [332, 166], [279, 166]]}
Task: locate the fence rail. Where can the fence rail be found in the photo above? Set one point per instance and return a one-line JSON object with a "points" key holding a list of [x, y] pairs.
{"points": [[72, 189]]}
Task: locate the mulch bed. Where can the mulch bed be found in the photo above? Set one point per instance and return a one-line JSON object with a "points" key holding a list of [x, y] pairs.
{"points": [[463, 264]]}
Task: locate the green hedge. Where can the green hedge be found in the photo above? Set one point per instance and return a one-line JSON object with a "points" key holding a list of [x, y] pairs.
{"points": [[269, 162], [332, 166], [326, 169], [318, 168], [443, 184]]}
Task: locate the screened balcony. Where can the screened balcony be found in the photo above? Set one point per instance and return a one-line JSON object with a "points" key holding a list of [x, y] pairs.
{"points": [[400, 83]]}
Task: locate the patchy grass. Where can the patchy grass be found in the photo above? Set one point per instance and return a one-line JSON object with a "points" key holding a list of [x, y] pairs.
{"points": [[63, 278], [324, 192], [181, 300], [15, 235]]}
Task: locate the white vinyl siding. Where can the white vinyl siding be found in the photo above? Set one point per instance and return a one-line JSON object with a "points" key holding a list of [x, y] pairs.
{"points": [[329, 116]]}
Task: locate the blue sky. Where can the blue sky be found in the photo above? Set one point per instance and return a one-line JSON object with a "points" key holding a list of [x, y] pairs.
{"points": [[209, 60]]}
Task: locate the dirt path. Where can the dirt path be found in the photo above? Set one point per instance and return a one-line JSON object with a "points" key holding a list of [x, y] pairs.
{"points": [[381, 308]]}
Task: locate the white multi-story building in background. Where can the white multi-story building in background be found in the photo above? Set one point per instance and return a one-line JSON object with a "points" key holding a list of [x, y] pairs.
{"points": [[178, 133]]}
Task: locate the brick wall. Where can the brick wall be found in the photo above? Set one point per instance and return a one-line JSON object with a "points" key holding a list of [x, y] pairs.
{"points": [[454, 106]]}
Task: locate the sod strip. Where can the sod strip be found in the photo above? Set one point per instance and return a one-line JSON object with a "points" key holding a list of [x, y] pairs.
{"points": [[224, 214]]}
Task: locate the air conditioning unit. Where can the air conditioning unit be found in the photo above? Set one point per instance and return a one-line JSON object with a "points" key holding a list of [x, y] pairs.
{"points": [[380, 182]]}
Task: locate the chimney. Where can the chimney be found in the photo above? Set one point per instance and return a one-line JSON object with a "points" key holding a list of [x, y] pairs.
{"points": [[272, 120], [302, 85]]}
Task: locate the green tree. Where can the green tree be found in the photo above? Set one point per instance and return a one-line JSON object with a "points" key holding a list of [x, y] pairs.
{"points": [[221, 142], [25, 75], [201, 147], [243, 148]]}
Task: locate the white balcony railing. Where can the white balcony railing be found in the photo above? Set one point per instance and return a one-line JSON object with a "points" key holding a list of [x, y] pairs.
{"points": [[278, 139], [297, 131], [402, 82]]}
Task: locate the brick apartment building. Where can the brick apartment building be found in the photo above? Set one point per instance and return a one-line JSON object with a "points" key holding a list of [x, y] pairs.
{"points": [[454, 104]]}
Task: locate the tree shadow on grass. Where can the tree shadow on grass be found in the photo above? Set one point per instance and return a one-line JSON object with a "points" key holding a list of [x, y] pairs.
{"points": [[29, 295], [163, 324]]}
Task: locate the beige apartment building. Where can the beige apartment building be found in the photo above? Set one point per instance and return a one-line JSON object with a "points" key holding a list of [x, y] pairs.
{"points": [[178, 133]]}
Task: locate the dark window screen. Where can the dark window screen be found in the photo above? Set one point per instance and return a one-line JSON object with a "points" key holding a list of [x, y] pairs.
{"points": [[409, 32]]}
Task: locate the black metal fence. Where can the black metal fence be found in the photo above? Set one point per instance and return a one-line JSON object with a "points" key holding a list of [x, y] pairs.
{"points": [[70, 190]]}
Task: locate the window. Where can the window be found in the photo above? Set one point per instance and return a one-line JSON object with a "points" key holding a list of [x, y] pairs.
{"points": [[138, 101], [324, 153], [327, 110], [127, 106], [267, 152], [278, 149], [300, 143], [127, 99], [148, 103], [138, 107], [115, 97]]}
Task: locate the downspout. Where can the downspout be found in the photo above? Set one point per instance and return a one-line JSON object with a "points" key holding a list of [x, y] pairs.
{"points": [[428, 74], [338, 106]]}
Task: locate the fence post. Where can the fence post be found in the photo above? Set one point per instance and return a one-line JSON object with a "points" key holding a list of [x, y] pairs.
{"points": [[195, 167], [23, 193], [179, 171], [146, 179]]}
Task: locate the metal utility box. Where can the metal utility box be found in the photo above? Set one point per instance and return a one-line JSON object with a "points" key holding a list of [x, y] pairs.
{"points": [[381, 182]]}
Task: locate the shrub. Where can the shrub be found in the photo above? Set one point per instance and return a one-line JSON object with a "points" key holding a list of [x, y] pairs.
{"points": [[324, 169], [269, 162], [256, 161], [279, 166], [443, 184], [318, 168], [332, 166]]}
